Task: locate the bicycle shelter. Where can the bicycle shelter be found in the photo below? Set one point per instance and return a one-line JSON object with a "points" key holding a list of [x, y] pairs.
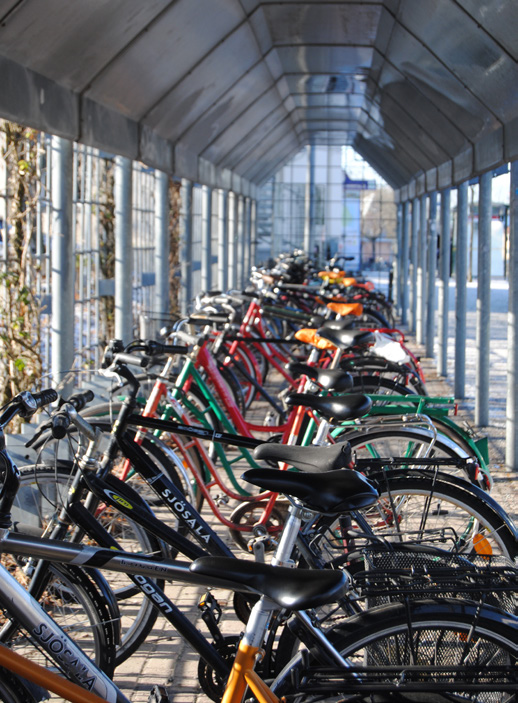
{"points": [[219, 94]]}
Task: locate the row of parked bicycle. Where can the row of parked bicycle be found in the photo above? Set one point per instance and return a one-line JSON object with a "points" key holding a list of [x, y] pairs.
{"points": [[378, 566]]}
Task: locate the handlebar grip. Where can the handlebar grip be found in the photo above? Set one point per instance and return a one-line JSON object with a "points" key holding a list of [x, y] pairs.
{"points": [[80, 400], [45, 397], [59, 425], [131, 360]]}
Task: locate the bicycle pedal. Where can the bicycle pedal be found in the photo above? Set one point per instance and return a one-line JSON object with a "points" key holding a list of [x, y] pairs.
{"points": [[158, 695], [211, 614]]}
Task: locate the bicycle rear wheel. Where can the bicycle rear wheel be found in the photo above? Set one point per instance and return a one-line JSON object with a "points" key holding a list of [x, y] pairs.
{"points": [[74, 602], [14, 690], [417, 506], [436, 651]]}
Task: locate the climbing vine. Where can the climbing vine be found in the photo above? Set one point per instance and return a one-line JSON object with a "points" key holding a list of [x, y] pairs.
{"points": [[20, 329]]}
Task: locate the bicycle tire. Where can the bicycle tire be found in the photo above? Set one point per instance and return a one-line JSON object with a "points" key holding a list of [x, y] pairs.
{"points": [[15, 690], [407, 442], [376, 366], [40, 491], [378, 385], [428, 509], [430, 633], [75, 603]]}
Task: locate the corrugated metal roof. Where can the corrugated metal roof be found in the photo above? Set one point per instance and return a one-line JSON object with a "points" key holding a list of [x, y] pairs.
{"points": [[224, 91]]}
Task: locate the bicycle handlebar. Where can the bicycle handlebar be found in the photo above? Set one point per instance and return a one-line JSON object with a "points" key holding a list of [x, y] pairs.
{"points": [[25, 404]]}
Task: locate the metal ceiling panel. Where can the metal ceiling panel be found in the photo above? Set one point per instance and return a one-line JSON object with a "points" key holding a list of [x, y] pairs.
{"points": [[328, 113], [157, 59], [329, 100], [339, 60], [244, 126], [445, 175], [254, 139], [398, 114], [463, 165], [322, 23], [511, 141], [499, 19], [435, 81], [424, 90], [281, 150], [71, 42], [280, 134], [207, 83], [489, 151], [427, 117], [472, 55], [229, 106]]}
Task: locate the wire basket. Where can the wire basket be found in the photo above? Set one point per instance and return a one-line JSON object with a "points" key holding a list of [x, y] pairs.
{"points": [[413, 572]]}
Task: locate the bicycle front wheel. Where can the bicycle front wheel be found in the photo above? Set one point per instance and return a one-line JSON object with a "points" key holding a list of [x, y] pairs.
{"points": [[435, 650]]}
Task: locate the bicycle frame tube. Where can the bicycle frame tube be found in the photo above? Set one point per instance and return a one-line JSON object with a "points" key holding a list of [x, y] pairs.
{"points": [[37, 674], [58, 645]]}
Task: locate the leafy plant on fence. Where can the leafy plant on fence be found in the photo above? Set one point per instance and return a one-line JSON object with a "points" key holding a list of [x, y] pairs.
{"points": [[107, 248], [20, 332], [174, 253]]}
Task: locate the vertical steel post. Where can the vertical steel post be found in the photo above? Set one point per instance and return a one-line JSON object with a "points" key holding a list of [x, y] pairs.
{"points": [[123, 249], [404, 282], [232, 234], [483, 315], [414, 262], [444, 282], [162, 245], [309, 207], [253, 233], [63, 267], [186, 245], [240, 244], [432, 267], [511, 441], [421, 274], [223, 240], [461, 277], [247, 215], [206, 238], [398, 259]]}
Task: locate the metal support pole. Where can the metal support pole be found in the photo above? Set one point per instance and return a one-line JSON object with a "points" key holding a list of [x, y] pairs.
{"points": [[432, 268], [511, 443], [248, 241], [253, 233], [206, 238], [186, 245], [309, 208], [240, 243], [397, 277], [223, 240], [421, 274], [62, 253], [414, 250], [461, 277], [232, 241], [123, 250], [483, 316], [162, 246], [444, 282], [404, 258]]}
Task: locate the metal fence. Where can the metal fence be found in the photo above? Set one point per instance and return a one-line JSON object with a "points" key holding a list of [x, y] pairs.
{"points": [[93, 226]]}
